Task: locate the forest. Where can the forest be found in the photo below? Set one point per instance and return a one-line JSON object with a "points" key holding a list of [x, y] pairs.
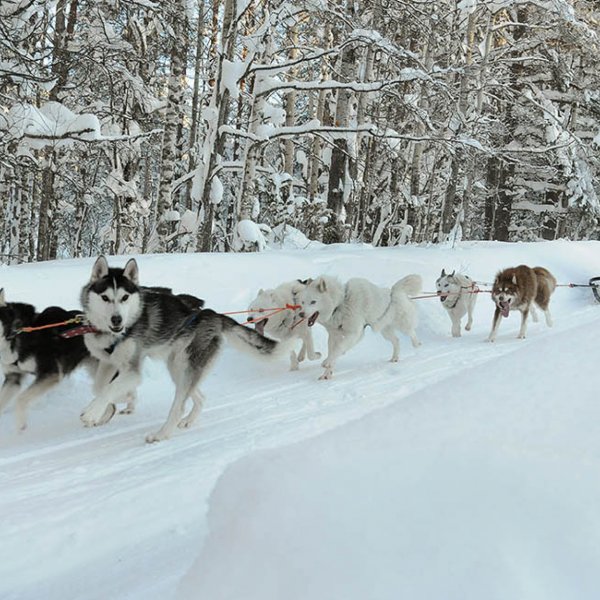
{"points": [[140, 126]]}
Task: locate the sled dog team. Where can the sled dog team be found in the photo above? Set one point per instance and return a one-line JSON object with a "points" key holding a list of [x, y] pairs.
{"points": [[125, 322]]}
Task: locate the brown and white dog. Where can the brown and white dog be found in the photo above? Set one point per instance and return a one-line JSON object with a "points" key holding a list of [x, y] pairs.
{"points": [[519, 288]]}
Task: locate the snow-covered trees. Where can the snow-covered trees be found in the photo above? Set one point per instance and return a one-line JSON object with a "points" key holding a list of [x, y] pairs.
{"points": [[139, 126]]}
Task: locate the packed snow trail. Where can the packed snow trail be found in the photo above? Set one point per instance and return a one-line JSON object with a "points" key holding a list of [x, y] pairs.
{"points": [[97, 513]]}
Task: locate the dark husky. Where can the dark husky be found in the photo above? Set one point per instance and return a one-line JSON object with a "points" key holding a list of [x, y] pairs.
{"points": [[519, 288], [44, 354], [132, 322]]}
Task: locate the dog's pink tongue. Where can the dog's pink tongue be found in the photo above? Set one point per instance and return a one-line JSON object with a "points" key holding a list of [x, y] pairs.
{"points": [[505, 308]]}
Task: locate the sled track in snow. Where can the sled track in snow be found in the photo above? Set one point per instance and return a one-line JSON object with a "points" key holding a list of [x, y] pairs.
{"points": [[112, 466]]}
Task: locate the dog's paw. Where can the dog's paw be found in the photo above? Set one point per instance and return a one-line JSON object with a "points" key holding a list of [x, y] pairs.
{"points": [[314, 356], [185, 423], [128, 410], [468, 327], [328, 374], [159, 436], [92, 417], [395, 359], [521, 336]]}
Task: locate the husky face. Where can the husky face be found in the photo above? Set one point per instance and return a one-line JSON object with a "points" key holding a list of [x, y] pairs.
{"points": [[264, 300], [315, 301], [505, 293], [112, 300], [447, 286]]}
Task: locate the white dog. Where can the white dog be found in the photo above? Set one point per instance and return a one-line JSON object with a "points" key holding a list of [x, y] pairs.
{"points": [[458, 294], [284, 325], [345, 311]]}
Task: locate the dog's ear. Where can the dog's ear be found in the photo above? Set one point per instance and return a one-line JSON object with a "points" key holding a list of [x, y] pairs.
{"points": [[514, 279], [131, 271], [100, 269], [2, 297], [443, 273], [261, 291], [321, 285], [304, 281], [452, 274]]}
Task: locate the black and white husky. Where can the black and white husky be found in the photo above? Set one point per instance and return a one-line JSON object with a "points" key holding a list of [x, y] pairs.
{"points": [[44, 354], [132, 322]]}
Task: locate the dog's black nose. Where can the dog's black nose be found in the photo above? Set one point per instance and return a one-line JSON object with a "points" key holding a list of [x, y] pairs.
{"points": [[116, 320], [301, 315]]}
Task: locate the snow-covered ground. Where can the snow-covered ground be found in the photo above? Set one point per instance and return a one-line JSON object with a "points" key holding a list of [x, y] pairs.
{"points": [[467, 470]]}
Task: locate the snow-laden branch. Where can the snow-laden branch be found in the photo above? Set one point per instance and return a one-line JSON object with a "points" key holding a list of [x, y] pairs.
{"points": [[272, 85]]}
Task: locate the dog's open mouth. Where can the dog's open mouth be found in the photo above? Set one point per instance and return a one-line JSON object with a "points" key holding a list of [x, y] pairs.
{"points": [[115, 329], [504, 308], [313, 318], [442, 296], [260, 326]]}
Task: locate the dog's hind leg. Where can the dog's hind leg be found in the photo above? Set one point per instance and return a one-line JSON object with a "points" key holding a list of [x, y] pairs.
{"points": [[38, 388], [198, 400], [388, 334], [534, 315], [181, 394], [10, 388], [548, 316]]}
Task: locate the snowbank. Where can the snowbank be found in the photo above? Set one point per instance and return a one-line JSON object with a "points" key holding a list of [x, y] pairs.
{"points": [[482, 486]]}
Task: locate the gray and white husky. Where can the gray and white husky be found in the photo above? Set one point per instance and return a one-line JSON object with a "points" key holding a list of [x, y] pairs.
{"points": [[284, 325], [131, 322], [346, 309], [458, 296]]}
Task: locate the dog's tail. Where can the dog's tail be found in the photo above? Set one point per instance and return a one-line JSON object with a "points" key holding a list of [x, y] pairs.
{"points": [[411, 285], [246, 339], [400, 301]]}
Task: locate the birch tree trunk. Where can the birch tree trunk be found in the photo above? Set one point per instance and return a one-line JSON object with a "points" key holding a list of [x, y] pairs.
{"points": [[338, 170], [216, 114], [173, 115]]}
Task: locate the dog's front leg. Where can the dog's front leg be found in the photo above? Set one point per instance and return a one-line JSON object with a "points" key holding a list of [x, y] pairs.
{"points": [[307, 339], [495, 325], [455, 325], [123, 384], [10, 388], [294, 361], [523, 330], [338, 345]]}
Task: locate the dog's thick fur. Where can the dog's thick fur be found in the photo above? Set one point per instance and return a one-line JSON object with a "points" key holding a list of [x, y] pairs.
{"points": [[44, 354], [458, 297], [134, 322], [284, 326], [519, 288], [346, 309]]}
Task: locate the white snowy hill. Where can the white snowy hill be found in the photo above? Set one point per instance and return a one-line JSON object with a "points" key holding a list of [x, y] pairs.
{"points": [[467, 470]]}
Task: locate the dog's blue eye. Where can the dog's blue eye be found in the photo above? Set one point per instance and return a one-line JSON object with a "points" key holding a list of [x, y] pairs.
{"points": [[124, 298], [105, 298]]}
